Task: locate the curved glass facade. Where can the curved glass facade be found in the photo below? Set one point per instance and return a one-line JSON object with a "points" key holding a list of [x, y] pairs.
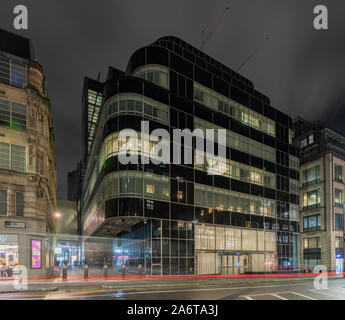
{"points": [[156, 74], [258, 190]]}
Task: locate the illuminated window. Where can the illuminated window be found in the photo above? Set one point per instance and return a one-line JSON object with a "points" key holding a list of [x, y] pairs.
{"points": [[339, 242], [255, 177], [166, 192], [223, 104], [312, 198], [150, 188], [338, 198], [179, 195]]}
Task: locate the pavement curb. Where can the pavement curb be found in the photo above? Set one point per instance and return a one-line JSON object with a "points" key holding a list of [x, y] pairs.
{"points": [[31, 291], [201, 284]]}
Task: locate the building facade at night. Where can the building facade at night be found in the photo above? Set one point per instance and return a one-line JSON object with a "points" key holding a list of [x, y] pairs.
{"points": [[322, 195], [178, 219], [27, 159]]}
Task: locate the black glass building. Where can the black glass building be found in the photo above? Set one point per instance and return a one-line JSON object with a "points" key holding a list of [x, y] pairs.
{"points": [[177, 219]]}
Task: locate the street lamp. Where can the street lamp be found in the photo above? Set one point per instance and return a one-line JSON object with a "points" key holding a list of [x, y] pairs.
{"points": [[57, 215]]}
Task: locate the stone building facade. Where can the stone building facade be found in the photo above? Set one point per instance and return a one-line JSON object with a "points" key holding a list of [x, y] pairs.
{"points": [[322, 188], [27, 160]]}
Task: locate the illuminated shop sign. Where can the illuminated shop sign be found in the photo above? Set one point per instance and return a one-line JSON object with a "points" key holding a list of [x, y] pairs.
{"points": [[36, 254]]}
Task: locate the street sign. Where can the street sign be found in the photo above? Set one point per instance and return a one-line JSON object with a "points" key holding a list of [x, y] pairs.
{"points": [[15, 224]]}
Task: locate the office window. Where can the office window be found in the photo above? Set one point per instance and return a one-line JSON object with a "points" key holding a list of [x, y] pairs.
{"points": [[156, 74], [150, 188], [149, 205], [303, 143], [339, 242], [293, 162], [291, 136], [312, 243], [338, 198], [294, 212], [12, 157], [12, 72], [133, 103], [12, 114], [94, 97], [311, 139], [3, 202], [294, 188], [338, 173], [338, 221], [311, 199], [18, 158], [312, 223], [19, 204], [233, 109], [239, 142], [311, 175], [5, 156]]}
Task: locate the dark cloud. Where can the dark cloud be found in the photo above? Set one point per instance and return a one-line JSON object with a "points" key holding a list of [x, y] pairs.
{"points": [[299, 68]]}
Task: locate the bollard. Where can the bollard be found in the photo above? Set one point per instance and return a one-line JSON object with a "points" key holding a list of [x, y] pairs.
{"points": [[123, 268], [86, 272], [140, 271], [105, 271], [64, 273]]}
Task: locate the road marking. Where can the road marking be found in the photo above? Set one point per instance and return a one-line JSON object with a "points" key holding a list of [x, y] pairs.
{"points": [[247, 297], [278, 296], [63, 295]]}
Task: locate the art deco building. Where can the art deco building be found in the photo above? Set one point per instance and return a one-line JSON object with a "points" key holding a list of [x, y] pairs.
{"points": [[177, 219], [27, 159], [322, 189]]}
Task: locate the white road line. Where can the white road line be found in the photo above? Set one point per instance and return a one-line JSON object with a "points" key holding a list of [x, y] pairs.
{"points": [[247, 297], [302, 295], [278, 296]]}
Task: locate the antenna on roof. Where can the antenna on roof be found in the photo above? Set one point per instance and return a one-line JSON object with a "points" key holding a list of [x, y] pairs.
{"points": [[214, 28], [252, 54], [99, 75]]}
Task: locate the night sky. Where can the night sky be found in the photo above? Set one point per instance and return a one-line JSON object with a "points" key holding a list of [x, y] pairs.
{"points": [[301, 69]]}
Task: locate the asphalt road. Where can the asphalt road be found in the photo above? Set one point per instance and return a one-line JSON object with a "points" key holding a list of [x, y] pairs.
{"points": [[253, 289]]}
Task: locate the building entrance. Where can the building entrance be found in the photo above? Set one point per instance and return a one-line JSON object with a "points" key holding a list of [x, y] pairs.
{"points": [[232, 263]]}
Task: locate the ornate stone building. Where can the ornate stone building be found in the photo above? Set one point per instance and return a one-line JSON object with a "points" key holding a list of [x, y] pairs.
{"points": [[27, 160]]}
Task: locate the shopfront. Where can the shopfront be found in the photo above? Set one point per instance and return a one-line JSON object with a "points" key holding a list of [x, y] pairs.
{"points": [[232, 251], [339, 263], [68, 252], [9, 256]]}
